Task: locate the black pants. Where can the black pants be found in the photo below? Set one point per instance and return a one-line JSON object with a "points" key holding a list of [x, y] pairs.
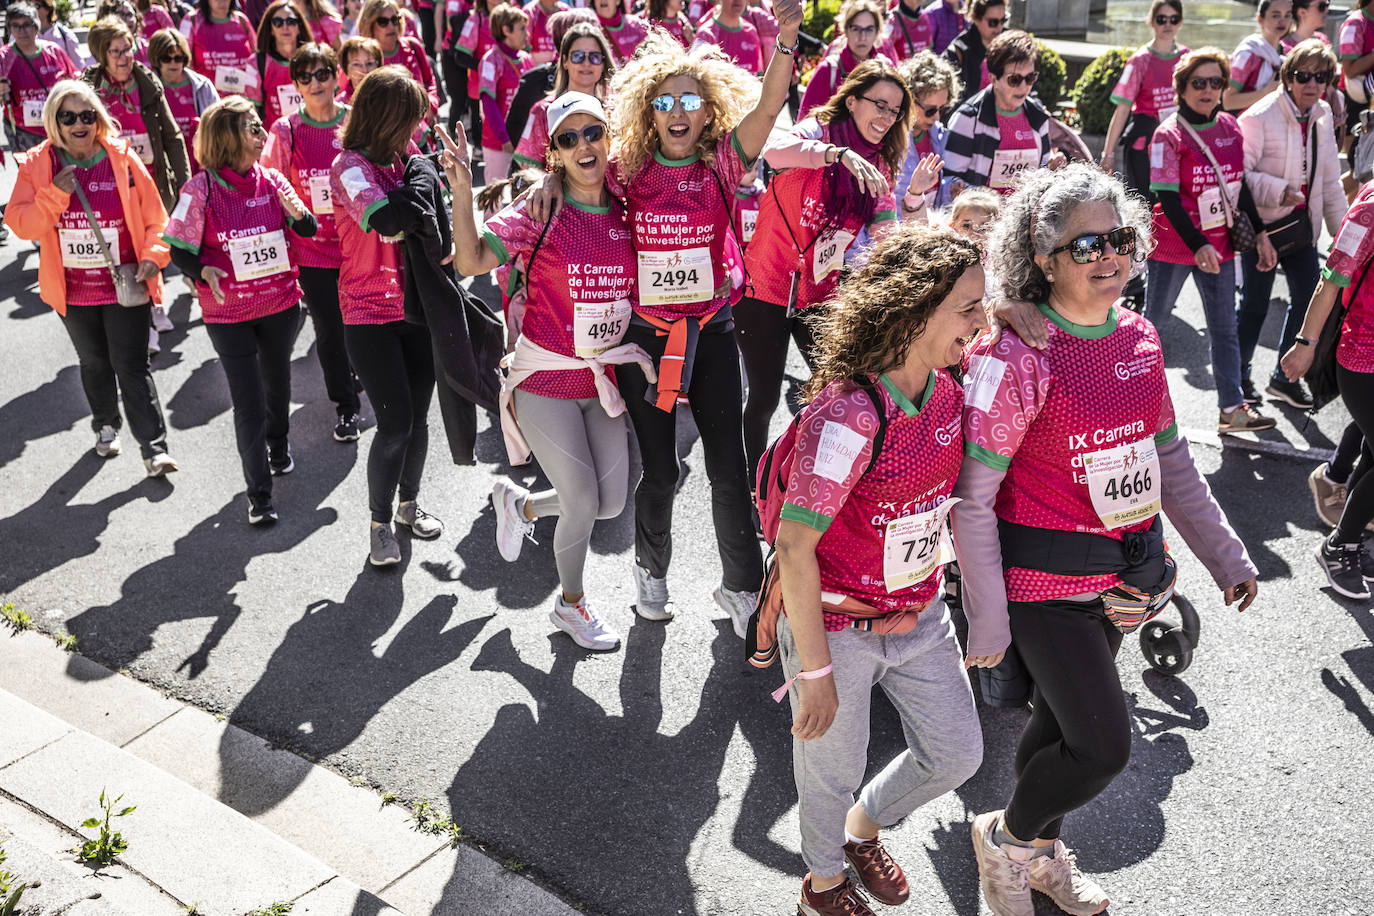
{"points": [[715, 401], [321, 288], [761, 330], [1079, 736], [256, 356], [456, 79], [1357, 391], [112, 347], [396, 364], [1343, 458]]}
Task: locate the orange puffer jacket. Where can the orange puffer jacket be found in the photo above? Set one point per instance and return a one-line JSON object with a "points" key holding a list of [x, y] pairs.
{"points": [[36, 204]]}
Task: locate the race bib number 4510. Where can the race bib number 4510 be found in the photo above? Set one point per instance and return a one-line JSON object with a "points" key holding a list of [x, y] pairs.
{"points": [[1124, 482]]}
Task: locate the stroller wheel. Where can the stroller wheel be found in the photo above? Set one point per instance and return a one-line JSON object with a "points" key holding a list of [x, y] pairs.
{"points": [[1167, 649]]}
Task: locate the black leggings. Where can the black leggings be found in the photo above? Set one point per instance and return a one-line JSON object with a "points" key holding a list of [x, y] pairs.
{"points": [[396, 364], [321, 287], [761, 330], [1079, 735], [1357, 390], [112, 349], [456, 79], [1343, 458], [715, 402]]}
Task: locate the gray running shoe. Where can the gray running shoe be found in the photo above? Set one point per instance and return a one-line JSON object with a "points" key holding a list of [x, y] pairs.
{"points": [[385, 550]]}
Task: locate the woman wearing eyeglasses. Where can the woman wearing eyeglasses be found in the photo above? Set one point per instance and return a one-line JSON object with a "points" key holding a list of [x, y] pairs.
{"points": [[835, 172], [223, 47], [129, 14], [1191, 223], [228, 233], [559, 400], [29, 68], [933, 83], [861, 23], [359, 56], [1001, 133], [584, 65], [968, 51], [500, 71], [83, 150], [282, 31], [381, 19], [1309, 19], [188, 93], [302, 146], [1255, 62], [1071, 453]]}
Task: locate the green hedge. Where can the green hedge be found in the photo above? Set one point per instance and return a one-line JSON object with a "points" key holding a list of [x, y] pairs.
{"points": [[819, 19], [1050, 87], [1092, 94]]}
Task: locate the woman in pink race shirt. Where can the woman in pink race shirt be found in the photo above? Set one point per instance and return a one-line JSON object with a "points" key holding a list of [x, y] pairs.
{"points": [[222, 48], [1071, 454], [381, 19], [499, 76], [283, 29]]}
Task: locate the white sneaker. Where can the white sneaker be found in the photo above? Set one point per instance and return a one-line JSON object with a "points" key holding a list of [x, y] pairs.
{"points": [[1003, 871], [153, 345], [740, 607], [651, 596], [160, 465], [511, 525], [107, 442], [1058, 878], [161, 323], [581, 623]]}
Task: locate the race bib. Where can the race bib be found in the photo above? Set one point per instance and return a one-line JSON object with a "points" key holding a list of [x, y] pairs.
{"points": [[672, 277], [33, 111], [599, 326], [827, 254], [748, 219], [321, 200], [1008, 164], [1210, 209], [142, 146], [1167, 111], [259, 255], [80, 251], [230, 79], [289, 99], [1124, 482], [914, 545]]}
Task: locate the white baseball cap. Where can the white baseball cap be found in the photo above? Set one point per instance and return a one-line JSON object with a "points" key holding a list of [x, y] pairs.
{"points": [[571, 103]]}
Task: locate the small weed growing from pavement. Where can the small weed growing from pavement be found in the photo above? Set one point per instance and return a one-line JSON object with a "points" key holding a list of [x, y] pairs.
{"points": [[193, 910], [9, 895], [102, 851], [273, 909], [514, 866], [388, 798], [18, 620], [427, 820], [66, 641]]}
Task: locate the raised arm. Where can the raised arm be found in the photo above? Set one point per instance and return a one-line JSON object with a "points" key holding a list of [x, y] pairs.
{"points": [[471, 254], [753, 131]]}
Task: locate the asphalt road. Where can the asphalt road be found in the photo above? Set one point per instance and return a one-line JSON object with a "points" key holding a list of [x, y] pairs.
{"points": [[656, 779]]}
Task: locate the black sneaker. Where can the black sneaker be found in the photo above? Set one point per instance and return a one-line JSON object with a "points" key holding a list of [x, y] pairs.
{"points": [[1342, 567], [1366, 557], [281, 462], [1249, 394], [260, 512], [347, 429], [1290, 393]]}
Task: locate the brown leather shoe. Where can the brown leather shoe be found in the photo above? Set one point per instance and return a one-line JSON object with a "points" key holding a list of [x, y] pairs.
{"points": [[844, 899], [879, 875]]}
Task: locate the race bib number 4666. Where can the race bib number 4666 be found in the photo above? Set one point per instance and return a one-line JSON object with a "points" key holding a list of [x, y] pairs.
{"points": [[1124, 482]]}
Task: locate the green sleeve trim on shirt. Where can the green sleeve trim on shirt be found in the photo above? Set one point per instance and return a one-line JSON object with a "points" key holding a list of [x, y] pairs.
{"points": [[882, 216], [748, 163], [984, 456], [1351, 56], [807, 517], [1118, 100], [1164, 186], [486, 91], [181, 243], [526, 160], [1167, 435], [497, 246], [1235, 84], [1335, 276], [371, 209]]}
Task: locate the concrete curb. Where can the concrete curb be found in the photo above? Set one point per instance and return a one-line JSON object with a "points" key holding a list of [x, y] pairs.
{"points": [[224, 820]]}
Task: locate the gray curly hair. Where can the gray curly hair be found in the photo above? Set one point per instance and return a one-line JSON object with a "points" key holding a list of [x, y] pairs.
{"points": [[1044, 201]]}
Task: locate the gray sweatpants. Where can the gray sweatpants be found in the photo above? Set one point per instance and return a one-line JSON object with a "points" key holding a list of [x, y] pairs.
{"points": [[585, 456], [922, 674]]}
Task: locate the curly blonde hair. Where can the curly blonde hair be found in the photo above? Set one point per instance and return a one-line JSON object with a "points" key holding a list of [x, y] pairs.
{"points": [[882, 308], [727, 92]]}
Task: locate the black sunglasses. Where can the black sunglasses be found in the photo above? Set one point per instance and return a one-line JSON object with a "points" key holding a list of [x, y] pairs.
{"points": [[322, 75], [87, 116], [931, 111], [595, 58], [1016, 79], [1089, 248], [994, 23], [385, 21], [1204, 82], [174, 59], [569, 139], [1304, 77], [1175, 19], [281, 22]]}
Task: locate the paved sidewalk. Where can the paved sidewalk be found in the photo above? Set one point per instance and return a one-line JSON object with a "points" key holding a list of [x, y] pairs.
{"points": [[279, 829]]}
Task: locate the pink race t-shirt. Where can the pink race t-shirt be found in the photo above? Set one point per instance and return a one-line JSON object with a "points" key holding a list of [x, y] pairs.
{"points": [[475, 40], [124, 106], [798, 230], [371, 288], [1177, 163], [225, 52], [31, 78], [327, 29], [747, 201], [303, 150], [741, 44], [884, 539], [1075, 427], [680, 213], [500, 77], [236, 223], [1147, 83], [1017, 154], [908, 32], [626, 32], [181, 98], [1253, 64], [279, 93], [83, 264], [580, 290], [1357, 34], [1290, 41], [1346, 263], [674, 27], [156, 19], [542, 47], [533, 147]]}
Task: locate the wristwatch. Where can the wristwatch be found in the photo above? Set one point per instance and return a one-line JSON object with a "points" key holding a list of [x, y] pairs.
{"points": [[1303, 340]]}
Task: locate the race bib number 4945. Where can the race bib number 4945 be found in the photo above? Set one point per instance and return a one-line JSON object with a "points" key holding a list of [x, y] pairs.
{"points": [[599, 326]]}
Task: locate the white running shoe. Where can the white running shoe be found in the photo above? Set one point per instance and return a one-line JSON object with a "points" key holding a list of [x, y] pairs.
{"points": [[1058, 878], [511, 525], [107, 441], [1003, 871], [160, 465], [581, 623], [161, 323], [740, 607], [651, 596]]}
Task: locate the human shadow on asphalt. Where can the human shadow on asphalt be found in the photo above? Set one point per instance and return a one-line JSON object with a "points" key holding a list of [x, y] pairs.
{"points": [[1361, 663], [1238, 486], [21, 279], [49, 409], [318, 709], [607, 807], [205, 394], [197, 580], [35, 546]]}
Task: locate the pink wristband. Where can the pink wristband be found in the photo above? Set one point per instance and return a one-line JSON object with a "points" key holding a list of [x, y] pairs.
{"points": [[805, 676]]}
